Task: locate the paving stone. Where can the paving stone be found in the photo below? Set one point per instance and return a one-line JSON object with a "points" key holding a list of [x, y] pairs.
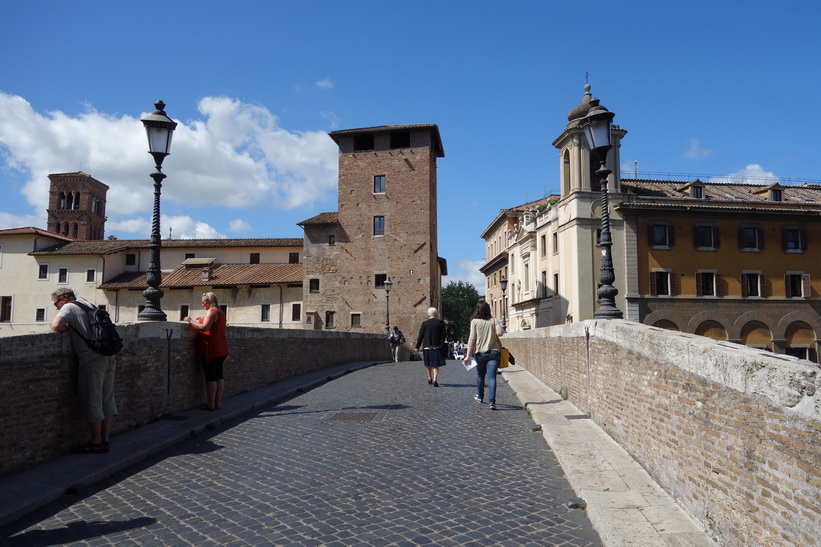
{"points": [[417, 466]]}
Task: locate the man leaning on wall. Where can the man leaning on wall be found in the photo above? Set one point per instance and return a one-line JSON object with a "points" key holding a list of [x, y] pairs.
{"points": [[95, 372]]}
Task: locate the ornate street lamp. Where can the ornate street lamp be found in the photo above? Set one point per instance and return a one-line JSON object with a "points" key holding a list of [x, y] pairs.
{"points": [[503, 284], [596, 127], [159, 128], [388, 285]]}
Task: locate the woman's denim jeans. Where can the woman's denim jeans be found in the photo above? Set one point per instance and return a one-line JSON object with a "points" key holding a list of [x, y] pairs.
{"points": [[486, 365]]}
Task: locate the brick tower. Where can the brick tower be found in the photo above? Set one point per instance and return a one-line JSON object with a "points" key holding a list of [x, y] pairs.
{"points": [[385, 228], [76, 206]]}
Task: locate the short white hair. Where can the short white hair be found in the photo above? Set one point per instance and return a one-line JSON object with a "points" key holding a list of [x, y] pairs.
{"points": [[432, 312]]}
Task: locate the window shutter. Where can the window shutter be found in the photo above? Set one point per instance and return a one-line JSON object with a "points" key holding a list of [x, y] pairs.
{"points": [[718, 288], [696, 240], [784, 239], [715, 236], [673, 284], [807, 288], [787, 285], [650, 235], [803, 233], [699, 291], [671, 235], [741, 239], [745, 289], [760, 232], [762, 289], [653, 288]]}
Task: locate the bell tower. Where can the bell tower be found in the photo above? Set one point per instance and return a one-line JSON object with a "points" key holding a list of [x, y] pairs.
{"points": [[76, 206]]}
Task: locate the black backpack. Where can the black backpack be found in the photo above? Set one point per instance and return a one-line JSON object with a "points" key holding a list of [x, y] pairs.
{"points": [[105, 339]]}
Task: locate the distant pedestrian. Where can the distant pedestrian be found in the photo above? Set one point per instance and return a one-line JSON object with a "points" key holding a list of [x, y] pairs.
{"points": [[212, 346], [395, 340], [95, 371], [484, 345], [432, 339]]}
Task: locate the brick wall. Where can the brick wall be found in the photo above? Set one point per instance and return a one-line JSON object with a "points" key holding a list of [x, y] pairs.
{"points": [[733, 433], [40, 416]]}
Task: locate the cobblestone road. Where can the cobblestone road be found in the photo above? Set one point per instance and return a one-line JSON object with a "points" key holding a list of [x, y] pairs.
{"points": [[376, 457]]}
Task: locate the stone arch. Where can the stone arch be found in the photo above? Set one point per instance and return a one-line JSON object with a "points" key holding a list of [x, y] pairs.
{"points": [[711, 329], [757, 334], [663, 316], [697, 319], [811, 319], [666, 324], [748, 317]]}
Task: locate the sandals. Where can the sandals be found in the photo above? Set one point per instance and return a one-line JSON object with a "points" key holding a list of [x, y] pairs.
{"points": [[90, 448]]}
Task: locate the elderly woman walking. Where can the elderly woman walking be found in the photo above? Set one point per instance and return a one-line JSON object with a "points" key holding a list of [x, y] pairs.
{"points": [[432, 339], [484, 345]]}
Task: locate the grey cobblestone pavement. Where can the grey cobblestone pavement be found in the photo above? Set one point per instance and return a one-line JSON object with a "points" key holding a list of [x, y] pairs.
{"points": [[374, 457]]}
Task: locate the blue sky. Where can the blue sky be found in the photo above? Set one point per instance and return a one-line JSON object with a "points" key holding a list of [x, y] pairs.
{"points": [[708, 89]]}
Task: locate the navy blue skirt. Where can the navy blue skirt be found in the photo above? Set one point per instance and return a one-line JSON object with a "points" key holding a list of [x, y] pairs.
{"points": [[435, 357]]}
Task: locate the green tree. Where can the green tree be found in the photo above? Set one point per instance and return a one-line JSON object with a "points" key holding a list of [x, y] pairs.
{"points": [[458, 301]]}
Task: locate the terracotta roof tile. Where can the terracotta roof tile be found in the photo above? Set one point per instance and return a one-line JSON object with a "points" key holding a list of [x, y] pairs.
{"points": [[118, 245], [29, 230], [321, 218], [222, 275]]}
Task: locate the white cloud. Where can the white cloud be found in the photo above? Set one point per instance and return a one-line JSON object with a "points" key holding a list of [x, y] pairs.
{"points": [[325, 84], [235, 156], [177, 227], [696, 151], [8, 220], [752, 174], [331, 118], [467, 271], [239, 226]]}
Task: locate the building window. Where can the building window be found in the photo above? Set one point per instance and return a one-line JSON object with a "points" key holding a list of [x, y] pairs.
{"points": [[379, 226], [91, 275], [379, 281], [797, 285], [62, 275], [293, 258], [697, 192], [329, 319], [750, 238], [555, 284], [331, 239], [254, 258], [40, 315], [296, 312], [753, 284], [705, 237], [379, 184], [5, 309], [363, 142], [544, 285], [544, 245], [265, 312], [661, 236], [708, 284], [775, 193], [400, 139], [663, 284], [43, 272], [184, 311], [313, 285], [356, 320], [190, 255], [794, 239], [131, 259], [555, 243]]}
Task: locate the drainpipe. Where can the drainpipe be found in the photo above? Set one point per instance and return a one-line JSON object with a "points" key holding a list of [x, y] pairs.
{"points": [[281, 306]]}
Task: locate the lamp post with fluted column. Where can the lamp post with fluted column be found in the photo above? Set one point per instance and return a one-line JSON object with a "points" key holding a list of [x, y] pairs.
{"points": [[597, 130], [503, 284], [388, 285], [159, 128]]}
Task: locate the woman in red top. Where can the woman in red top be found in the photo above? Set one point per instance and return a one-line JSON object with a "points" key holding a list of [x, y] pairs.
{"points": [[213, 347]]}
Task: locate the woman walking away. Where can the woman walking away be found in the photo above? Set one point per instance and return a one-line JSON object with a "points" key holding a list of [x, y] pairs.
{"points": [[213, 348], [432, 339], [485, 346]]}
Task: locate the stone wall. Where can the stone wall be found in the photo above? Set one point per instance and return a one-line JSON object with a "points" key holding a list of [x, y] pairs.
{"points": [[157, 375], [733, 433]]}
